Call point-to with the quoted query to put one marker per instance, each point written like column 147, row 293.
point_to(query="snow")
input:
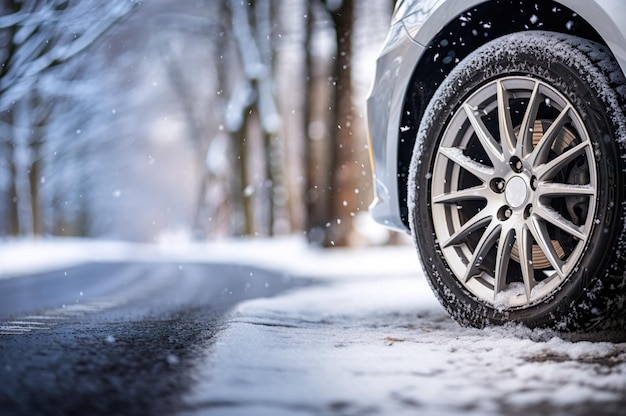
column 290, row 254
column 384, row 346
column 370, row 339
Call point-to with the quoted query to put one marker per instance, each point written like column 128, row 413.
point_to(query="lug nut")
column 497, row 185
column 528, row 212
column 516, row 164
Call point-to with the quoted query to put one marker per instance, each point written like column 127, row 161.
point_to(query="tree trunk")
column 263, row 13
column 6, row 118
column 318, row 170
column 12, row 201
column 245, row 189
column 269, row 184
column 41, row 114
column 343, row 201
column 34, row 182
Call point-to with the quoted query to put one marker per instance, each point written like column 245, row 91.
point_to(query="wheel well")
column 462, row 35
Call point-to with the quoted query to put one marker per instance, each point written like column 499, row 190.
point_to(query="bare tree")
column 260, row 93
column 38, row 37
column 191, row 48
column 253, row 103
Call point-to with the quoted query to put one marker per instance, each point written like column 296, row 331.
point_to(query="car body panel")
column 385, row 102
column 414, row 25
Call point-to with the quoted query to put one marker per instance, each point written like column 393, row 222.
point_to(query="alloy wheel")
column 513, row 191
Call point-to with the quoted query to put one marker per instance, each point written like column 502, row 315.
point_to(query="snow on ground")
column 376, row 341
column 385, row 346
column 292, row 254
column 370, row 339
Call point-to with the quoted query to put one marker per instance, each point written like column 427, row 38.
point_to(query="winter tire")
column 517, row 182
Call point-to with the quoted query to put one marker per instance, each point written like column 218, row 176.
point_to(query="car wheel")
column 516, row 185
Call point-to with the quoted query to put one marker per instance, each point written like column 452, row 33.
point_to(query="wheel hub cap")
column 516, row 192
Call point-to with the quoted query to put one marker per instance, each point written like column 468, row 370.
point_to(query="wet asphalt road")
column 115, row 339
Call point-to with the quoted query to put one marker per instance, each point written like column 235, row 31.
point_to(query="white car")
column 498, row 139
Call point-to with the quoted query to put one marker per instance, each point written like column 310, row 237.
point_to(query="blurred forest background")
column 203, row 119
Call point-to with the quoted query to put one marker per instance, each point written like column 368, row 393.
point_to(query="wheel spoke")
column 525, row 246
column 552, row 168
column 488, row 239
column 483, row 172
column 564, row 189
column 504, row 119
column 559, row 221
column 503, row 258
column 525, row 137
column 474, row 193
column 491, row 146
column 542, row 149
column 540, row 234
column 477, row 221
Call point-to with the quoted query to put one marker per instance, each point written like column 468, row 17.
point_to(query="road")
column 157, row 338
column 107, row 339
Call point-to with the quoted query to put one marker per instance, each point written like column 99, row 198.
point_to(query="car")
column 497, row 136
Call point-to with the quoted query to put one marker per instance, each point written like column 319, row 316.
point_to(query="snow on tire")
column 516, row 186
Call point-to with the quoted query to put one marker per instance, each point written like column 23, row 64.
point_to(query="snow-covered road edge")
column 287, row 254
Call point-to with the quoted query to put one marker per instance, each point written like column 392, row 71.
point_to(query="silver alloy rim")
column 513, row 193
